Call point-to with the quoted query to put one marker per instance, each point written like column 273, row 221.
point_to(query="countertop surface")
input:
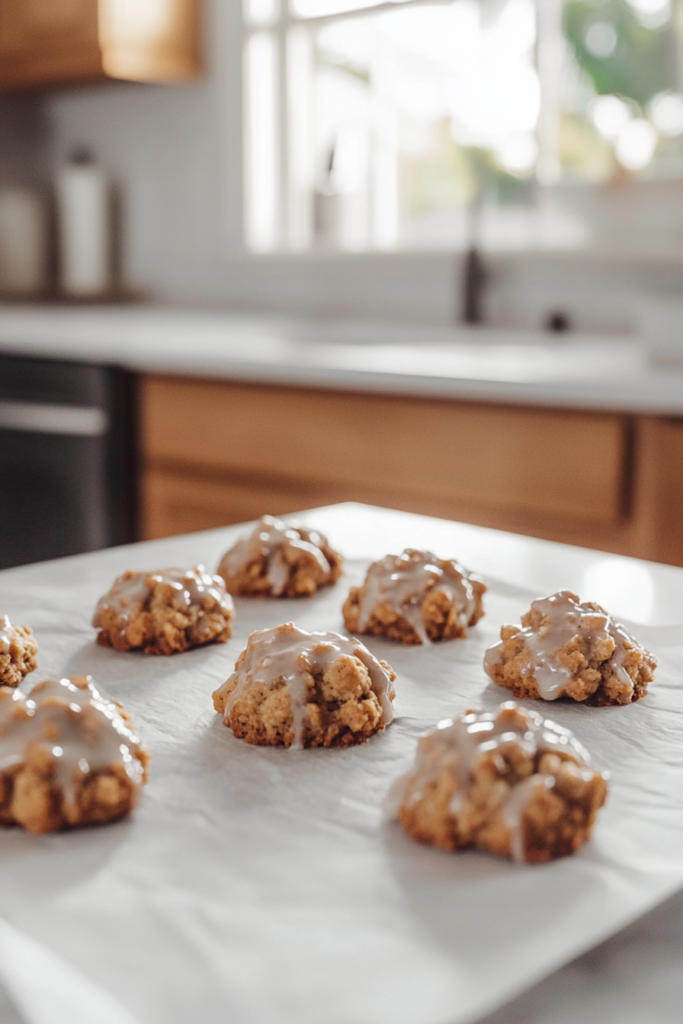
column 478, row 364
column 89, row 919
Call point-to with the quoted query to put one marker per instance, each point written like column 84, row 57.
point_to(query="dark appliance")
column 67, row 449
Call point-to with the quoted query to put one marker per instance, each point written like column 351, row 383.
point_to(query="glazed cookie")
column 68, row 756
column 509, row 782
column 164, row 612
column 296, row 689
column 280, row 559
column 415, row 598
column 567, row 649
column 18, row 650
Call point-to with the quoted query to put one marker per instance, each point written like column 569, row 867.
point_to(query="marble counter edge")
column 276, row 359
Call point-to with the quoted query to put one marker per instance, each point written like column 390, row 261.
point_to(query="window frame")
column 290, row 241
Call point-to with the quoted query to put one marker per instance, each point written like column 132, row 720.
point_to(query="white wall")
column 174, row 152
column 170, row 151
column 598, row 292
column 23, row 141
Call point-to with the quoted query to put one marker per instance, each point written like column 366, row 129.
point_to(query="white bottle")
column 84, row 227
column 23, row 241
column 326, row 205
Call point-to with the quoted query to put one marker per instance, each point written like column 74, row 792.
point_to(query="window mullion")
column 549, row 66
column 299, row 114
column 362, row 12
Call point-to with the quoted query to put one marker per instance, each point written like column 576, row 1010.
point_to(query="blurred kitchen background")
column 258, row 256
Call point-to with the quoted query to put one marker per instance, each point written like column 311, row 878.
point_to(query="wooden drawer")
column 176, row 502
column 545, row 462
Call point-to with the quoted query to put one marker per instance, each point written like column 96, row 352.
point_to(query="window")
column 375, row 126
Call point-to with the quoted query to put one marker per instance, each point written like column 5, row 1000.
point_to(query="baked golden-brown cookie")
column 164, row 612
column 68, row 756
column 18, row 650
column 509, row 782
column 567, row 649
column 297, row 689
column 280, row 559
column 415, row 598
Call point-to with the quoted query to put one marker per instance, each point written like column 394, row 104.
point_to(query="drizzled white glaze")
column 513, row 811
column 190, row 587
column 267, row 541
column 402, row 581
column 290, row 654
column 80, row 729
column 5, row 635
column 564, row 617
column 455, row 745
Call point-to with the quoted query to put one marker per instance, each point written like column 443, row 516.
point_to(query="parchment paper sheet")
column 264, row 885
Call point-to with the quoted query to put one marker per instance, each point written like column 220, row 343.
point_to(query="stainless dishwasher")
column 67, row 458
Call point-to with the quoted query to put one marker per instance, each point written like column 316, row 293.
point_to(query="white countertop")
column 59, row 909
column 479, row 364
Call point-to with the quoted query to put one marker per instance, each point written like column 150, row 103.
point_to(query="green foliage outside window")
column 643, row 61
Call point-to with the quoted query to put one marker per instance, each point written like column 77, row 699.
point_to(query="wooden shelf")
column 45, row 43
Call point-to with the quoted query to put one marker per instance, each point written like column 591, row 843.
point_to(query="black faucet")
column 475, row 275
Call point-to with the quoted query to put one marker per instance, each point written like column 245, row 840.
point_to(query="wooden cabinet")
column 53, row 42
column 217, row 452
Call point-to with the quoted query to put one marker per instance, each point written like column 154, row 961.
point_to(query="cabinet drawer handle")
column 36, row 418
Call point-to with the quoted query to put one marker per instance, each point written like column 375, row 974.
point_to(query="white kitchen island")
column 259, row 885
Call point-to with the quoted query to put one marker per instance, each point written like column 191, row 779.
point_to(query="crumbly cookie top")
column 131, row 590
column 290, row 654
column 403, row 580
column 267, row 540
column 18, row 650
column 550, row 624
column 74, row 724
column 455, row 746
